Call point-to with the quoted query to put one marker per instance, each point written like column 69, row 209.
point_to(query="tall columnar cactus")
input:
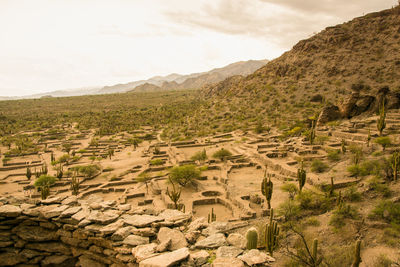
column 315, row 261
column 267, row 188
column 357, row 254
column 28, row 173
column 75, row 185
column 252, row 238
column 369, row 137
column 343, row 146
column 381, row 123
column 174, row 195
column 212, row 217
column 331, row 191
column 339, row 200
column 311, row 135
column 271, row 234
column 301, row 177
column 395, row 164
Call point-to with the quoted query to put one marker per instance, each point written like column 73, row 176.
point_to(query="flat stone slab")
column 135, row 240
column 141, row 220
column 103, row 217
column 255, row 256
column 228, row 252
column 178, row 239
column 166, row 259
column 10, row 211
column 213, row 241
column 230, row 262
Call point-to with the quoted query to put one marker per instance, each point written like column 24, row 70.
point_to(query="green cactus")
column 395, row 164
column 75, row 185
column 315, row 261
column 28, row 173
column 369, row 137
column 267, row 188
column 301, row 177
column 271, row 234
column 212, row 217
column 343, row 146
column 339, row 200
column 357, row 257
column 381, row 123
column 331, row 191
column 174, row 195
column 311, row 135
column 252, row 238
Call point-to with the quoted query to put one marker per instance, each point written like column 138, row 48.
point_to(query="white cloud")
column 49, row 45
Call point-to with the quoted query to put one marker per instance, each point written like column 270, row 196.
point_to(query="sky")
column 48, row 45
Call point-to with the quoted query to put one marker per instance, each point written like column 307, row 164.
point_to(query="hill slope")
column 362, row 54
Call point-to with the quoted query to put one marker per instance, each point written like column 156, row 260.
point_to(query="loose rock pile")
column 67, row 232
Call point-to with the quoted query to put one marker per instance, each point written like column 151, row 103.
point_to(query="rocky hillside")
column 190, row 81
column 356, row 58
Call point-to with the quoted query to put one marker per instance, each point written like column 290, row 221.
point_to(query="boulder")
column 237, row 240
column 212, row 241
column 178, row 239
column 10, row 211
column 164, row 246
column 166, row 259
column 198, row 224
column 200, row 257
column 329, row 113
column 135, row 240
column 255, row 256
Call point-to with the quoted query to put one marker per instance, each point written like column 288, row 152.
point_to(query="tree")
column 67, row 147
column 222, row 154
column 110, row 152
column 89, row 170
column 291, row 189
column 384, row 141
column 200, row 156
column 43, row 183
column 184, row 175
column 174, row 195
column 144, row 178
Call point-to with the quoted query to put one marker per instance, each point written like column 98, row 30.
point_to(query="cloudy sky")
column 61, row 44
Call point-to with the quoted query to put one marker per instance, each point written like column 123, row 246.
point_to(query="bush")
column 156, row 162
column 184, row 175
column 384, row 141
column 375, row 184
column 318, row 166
column 352, row 195
column 290, row 188
column 340, row 214
column 200, row 156
column 383, row 261
column 334, row 155
column 222, row 154
column 89, row 170
column 388, row 211
column 309, row 200
column 289, row 210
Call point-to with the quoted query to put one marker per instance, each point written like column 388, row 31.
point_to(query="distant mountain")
column 169, row 82
column 190, row 81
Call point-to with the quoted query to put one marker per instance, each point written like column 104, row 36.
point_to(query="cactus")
column 28, row 173
column 343, row 146
column 53, row 159
column 381, row 123
column 301, row 177
column 252, row 238
column 267, row 188
column 369, row 137
column 212, row 217
column 315, row 261
column 339, row 200
column 271, row 234
column 332, row 188
column 75, row 185
column 174, row 195
column 395, row 164
column 311, row 135
column 357, row 257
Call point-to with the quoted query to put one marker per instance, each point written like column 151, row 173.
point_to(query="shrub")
column 184, row 175
column 222, row 154
column 43, row 183
column 388, row 211
column 334, row 155
column 289, row 210
column 383, row 261
column 352, row 195
column 156, row 162
column 89, row 170
column 318, row 166
column 200, row 156
column 384, row 141
column 313, row 221
column 341, row 213
column 290, row 188
column 375, row 184
column 309, row 200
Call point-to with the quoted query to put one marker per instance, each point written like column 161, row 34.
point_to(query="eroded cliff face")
column 65, row 232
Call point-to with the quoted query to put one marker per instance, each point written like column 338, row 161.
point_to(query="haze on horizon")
column 48, row 45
